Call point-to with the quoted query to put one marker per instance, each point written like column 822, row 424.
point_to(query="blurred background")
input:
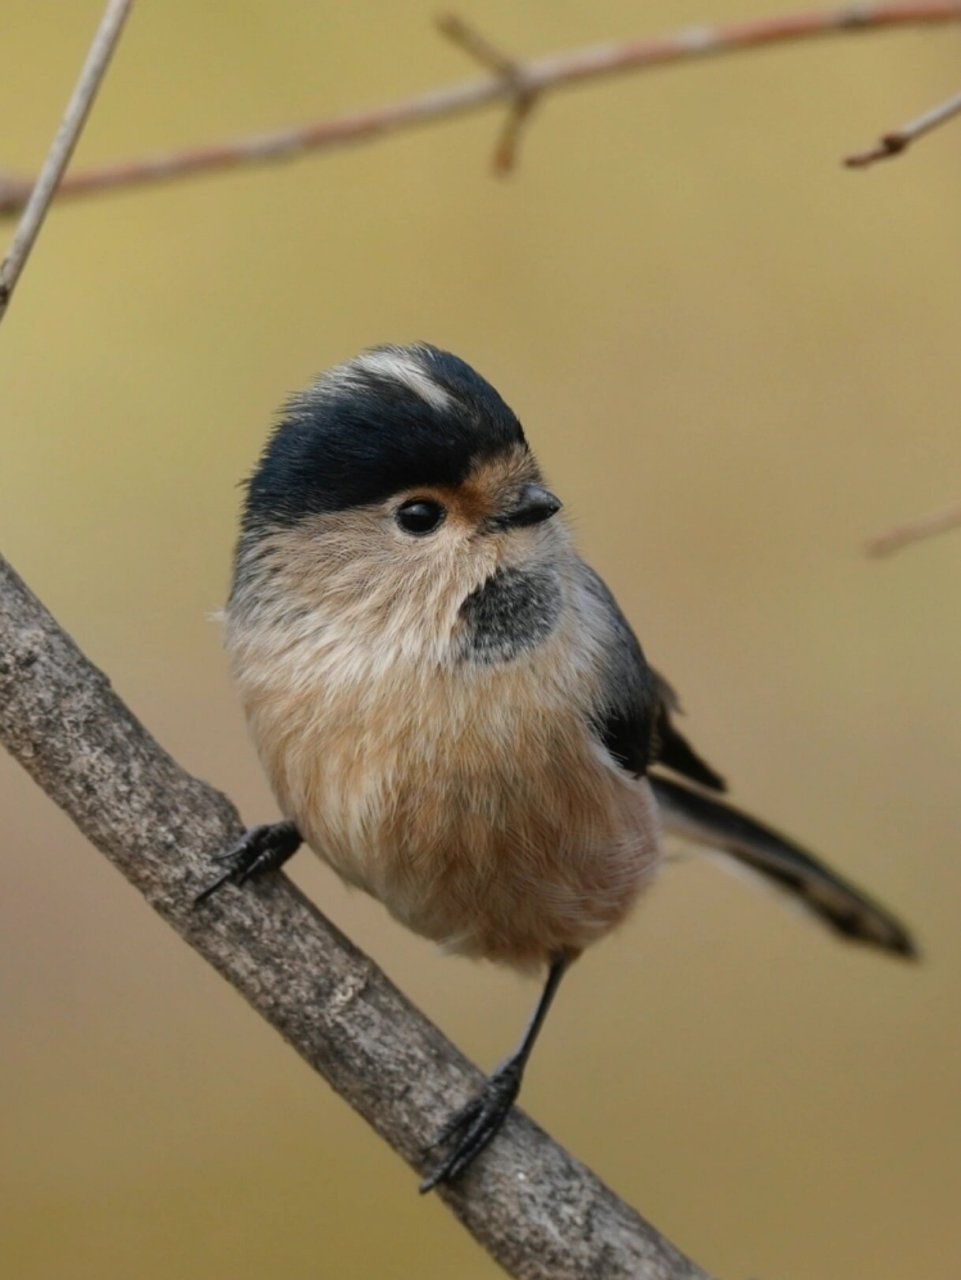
column 736, row 360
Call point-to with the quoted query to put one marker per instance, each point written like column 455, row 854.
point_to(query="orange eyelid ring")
column 533, row 505
column 419, row 516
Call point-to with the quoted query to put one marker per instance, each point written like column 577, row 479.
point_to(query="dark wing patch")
column 673, row 750
column 677, row 754
column 635, row 720
column 627, row 717
column 625, row 734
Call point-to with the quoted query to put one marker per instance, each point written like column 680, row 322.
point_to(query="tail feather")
column 710, row 821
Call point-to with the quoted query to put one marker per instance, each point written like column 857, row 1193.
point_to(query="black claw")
column 212, row 888
column 472, row 1128
column 264, row 848
column 474, row 1125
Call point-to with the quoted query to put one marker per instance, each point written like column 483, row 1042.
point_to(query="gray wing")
column 634, row 722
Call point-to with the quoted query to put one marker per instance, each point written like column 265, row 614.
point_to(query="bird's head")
column 390, row 493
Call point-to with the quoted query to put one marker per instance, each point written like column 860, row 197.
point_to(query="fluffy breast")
column 470, row 796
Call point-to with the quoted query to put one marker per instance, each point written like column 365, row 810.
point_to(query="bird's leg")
column 259, row 849
column 472, row 1127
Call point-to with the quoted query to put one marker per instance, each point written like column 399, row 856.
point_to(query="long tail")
column 710, row 821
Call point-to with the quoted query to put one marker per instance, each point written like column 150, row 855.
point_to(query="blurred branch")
column 513, row 82
column 39, row 195
column 903, row 535
column 892, row 144
column 538, row 1212
column 479, row 47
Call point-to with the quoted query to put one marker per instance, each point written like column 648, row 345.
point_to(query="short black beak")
column 534, row 505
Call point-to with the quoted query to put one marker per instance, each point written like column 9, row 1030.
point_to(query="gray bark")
column 536, row 1210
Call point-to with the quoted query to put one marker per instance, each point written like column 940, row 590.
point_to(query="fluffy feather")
column 470, row 796
column 462, row 723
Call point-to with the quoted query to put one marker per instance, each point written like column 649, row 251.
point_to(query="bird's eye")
column 420, row 516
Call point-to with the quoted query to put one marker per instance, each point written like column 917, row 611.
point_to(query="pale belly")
column 508, row 838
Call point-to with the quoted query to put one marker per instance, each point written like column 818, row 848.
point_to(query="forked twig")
column 538, row 76
column 511, row 71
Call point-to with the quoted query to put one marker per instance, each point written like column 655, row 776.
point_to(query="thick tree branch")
column 538, row 1212
column 519, row 83
column 40, row 194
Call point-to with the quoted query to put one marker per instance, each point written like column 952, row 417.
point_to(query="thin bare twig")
column 524, row 98
column 477, row 45
column 538, row 76
column 892, row 144
column 61, row 149
column 903, row 535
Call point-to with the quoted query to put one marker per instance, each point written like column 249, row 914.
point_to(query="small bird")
column 451, row 708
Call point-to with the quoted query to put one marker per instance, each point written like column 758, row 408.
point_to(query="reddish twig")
column 903, row 535
column 511, row 72
column 37, row 196
column 892, row 144
column 537, row 77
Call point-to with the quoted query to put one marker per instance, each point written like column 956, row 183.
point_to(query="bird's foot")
column 472, row 1127
column 260, row 849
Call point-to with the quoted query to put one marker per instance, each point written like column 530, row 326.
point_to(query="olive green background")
column 735, row 360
